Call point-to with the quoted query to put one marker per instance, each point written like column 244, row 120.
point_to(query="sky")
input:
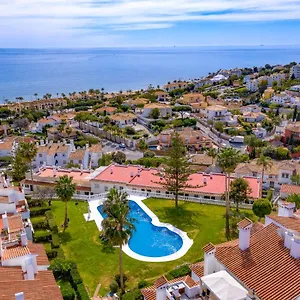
column 148, row 23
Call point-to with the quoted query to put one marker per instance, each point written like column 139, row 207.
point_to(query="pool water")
column 147, row 239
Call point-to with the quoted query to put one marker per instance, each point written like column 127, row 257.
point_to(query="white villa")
column 164, row 109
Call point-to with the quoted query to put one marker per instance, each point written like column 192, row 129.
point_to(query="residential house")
column 137, row 178
column 292, row 131
column 288, row 190
column 192, row 98
column 295, row 71
column 95, row 153
column 161, row 95
column 80, row 157
column 68, row 133
column 164, row 109
column 250, row 108
column 215, row 113
column 193, row 139
column 175, row 85
column 106, row 110
column 53, row 154
column 281, row 99
column 268, row 93
column 40, row 124
column 124, row 119
column 218, row 78
column 253, row 117
column 196, row 107
column 46, row 177
column 7, row 148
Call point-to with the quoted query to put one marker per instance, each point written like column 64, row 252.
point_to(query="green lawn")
column 80, row 242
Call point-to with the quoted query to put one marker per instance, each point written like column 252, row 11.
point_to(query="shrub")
column 55, row 241
column 134, row 294
column 60, row 253
column 61, row 268
column 51, row 221
column 149, row 154
column 67, row 291
column 114, row 286
column 117, row 279
column 75, row 276
column 142, row 284
column 41, row 236
column 178, row 272
column 39, row 222
column 39, row 211
column 82, row 294
column 51, row 253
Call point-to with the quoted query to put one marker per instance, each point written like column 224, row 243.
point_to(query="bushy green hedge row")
column 51, row 253
column 39, row 222
column 51, row 221
column 38, row 211
column 41, row 236
column 82, row 293
column 67, row 291
column 55, row 241
column 178, row 272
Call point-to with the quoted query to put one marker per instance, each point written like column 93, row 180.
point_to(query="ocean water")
column 24, row 72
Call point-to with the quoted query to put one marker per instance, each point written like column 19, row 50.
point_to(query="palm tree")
column 228, row 159
column 117, row 227
column 266, row 163
column 65, row 188
column 212, row 152
column 28, row 152
column 35, row 95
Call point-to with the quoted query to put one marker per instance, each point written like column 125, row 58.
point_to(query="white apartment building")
column 295, row 70
column 215, row 113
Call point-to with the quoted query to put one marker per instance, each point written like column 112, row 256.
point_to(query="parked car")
column 122, row 146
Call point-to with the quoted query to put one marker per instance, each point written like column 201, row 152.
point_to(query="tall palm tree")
column 28, row 152
column 228, row 159
column 212, row 152
column 117, row 227
column 266, row 163
column 65, row 189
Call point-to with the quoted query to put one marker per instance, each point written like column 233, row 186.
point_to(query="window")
column 80, row 161
column 40, row 155
column 105, row 188
column 64, row 162
column 143, row 190
column 86, row 193
column 64, row 155
column 149, row 191
column 97, row 185
column 285, row 175
column 157, row 192
column 121, row 188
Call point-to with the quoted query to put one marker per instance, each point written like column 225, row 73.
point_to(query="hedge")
column 51, row 221
column 67, row 291
column 39, row 222
column 41, row 236
column 51, row 253
column 55, row 241
column 38, row 211
column 75, row 276
column 60, row 253
column 178, row 272
column 81, row 292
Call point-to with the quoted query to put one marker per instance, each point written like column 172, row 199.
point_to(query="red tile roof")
column 244, row 223
column 14, row 252
column 15, row 223
column 292, row 223
column 265, row 263
column 39, row 249
column 161, row 281
column 198, row 268
column 208, row 248
column 290, row 189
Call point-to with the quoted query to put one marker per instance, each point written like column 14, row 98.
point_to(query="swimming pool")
column 149, row 240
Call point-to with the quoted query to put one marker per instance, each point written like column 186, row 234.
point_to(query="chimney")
column 131, row 174
column 244, row 233
column 5, row 220
column 87, row 146
column 139, row 172
column 161, row 285
column 251, row 295
column 111, row 171
column 295, row 246
column 286, row 209
column 19, row 296
column 29, row 269
column 204, row 180
column 209, row 259
column 23, row 239
column 288, row 236
column 46, row 141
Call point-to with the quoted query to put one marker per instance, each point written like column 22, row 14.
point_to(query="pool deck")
column 94, row 215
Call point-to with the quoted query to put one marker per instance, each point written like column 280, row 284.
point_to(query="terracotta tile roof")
column 294, row 127
column 6, row 145
column 43, row 287
column 53, row 149
column 123, row 117
column 157, row 105
column 187, row 279
column 10, row 274
column 161, row 281
column 265, row 263
column 244, row 223
column 15, row 223
column 13, row 252
column 109, row 109
column 201, row 159
column 290, row 189
column 78, row 154
column 95, row 148
column 292, row 223
column 41, row 259
column 253, row 167
column 198, row 268
column 209, row 247
column 216, row 108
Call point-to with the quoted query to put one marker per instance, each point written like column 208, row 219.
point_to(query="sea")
column 24, row 72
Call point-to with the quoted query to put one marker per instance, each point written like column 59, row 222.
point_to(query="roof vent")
column 131, row 174
column 111, row 171
column 204, row 181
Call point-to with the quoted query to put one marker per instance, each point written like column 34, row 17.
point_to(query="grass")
column 81, row 243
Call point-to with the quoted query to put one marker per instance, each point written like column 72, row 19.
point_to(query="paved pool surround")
column 186, row 241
